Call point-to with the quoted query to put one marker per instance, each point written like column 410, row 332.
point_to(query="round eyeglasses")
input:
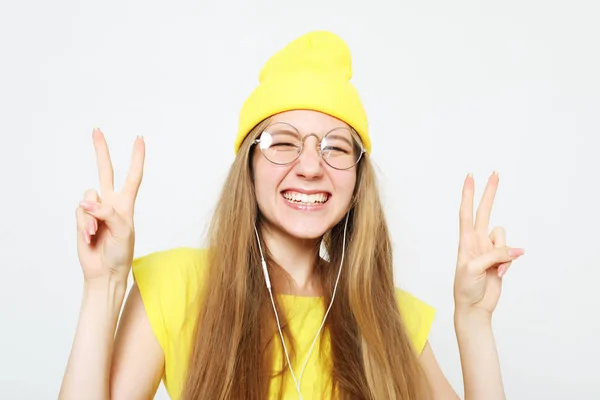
column 282, row 144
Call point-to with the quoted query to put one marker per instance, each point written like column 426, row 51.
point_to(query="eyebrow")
column 287, row 131
column 345, row 139
column 296, row 132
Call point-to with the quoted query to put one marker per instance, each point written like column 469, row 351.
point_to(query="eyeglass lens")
column 281, row 144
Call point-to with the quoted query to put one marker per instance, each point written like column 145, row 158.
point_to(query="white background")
column 451, row 87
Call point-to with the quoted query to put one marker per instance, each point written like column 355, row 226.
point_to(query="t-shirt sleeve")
column 168, row 282
column 417, row 316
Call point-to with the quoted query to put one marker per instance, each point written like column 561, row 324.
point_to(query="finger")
column 107, row 214
column 466, row 206
column 91, row 195
column 91, row 221
column 498, row 236
column 482, row 220
column 136, row 169
column 503, row 269
column 105, row 168
column 82, row 227
column 497, row 256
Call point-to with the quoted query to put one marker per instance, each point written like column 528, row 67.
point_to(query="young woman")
column 293, row 295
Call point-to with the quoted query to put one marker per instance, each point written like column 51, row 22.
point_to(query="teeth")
column 305, row 198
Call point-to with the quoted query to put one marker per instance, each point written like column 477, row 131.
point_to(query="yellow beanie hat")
column 312, row 72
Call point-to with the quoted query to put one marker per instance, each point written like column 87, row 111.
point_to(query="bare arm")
column 105, row 243
column 479, row 359
column 439, row 385
column 87, row 372
column 128, row 367
column 482, row 262
column 138, row 360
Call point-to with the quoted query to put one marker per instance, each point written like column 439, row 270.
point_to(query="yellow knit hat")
column 311, row 73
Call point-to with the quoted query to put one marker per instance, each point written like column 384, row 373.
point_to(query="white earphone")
column 268, row 282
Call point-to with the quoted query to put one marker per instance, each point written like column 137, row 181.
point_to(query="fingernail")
column 502, row 271
column 514, row 252
column 86, row 236
column 91, row 229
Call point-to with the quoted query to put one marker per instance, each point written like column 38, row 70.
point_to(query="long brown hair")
column 231, row 358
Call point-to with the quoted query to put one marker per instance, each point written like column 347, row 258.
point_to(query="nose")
column 310, row 162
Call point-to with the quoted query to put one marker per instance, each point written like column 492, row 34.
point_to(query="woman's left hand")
column 483, row 256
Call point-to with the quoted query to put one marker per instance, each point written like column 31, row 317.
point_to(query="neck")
column 296, row 259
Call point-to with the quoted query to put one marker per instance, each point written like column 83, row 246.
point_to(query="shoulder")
column 169, row 282
column 417, row 316
column 173, row 265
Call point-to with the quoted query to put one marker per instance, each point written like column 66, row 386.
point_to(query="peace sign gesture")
column 105, row 222
column 483, row 256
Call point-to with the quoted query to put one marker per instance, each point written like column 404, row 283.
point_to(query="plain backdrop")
column 451, row 87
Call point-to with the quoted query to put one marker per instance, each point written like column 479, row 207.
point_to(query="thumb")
column 107, row 214
column 492, row 258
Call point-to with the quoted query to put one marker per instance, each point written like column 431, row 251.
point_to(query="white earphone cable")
column 268, row 282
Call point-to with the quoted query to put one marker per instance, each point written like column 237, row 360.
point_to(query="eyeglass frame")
column 319, row 149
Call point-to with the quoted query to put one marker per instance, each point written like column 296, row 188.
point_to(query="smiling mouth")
column 304, row 198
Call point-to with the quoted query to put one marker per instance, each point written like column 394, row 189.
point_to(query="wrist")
column 108, row 291
column 105, row 283
column 471, row 321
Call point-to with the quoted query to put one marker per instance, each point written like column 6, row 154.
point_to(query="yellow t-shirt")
column 168, row 282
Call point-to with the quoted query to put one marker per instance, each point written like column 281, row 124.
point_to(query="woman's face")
column 307, row 197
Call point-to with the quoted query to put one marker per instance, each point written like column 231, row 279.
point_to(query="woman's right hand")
column 106, row 235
